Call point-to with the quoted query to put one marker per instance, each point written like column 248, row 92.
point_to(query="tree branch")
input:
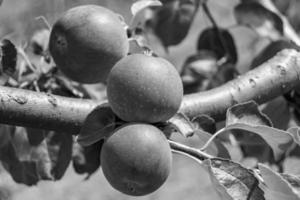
column 39, row 110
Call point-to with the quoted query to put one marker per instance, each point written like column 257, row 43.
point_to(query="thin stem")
column 187, row 155
column 189, row 150
column 214, row 23
column 211, row 139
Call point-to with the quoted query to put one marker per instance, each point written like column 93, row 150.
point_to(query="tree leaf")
column 180, row 123
column 86, row 159
column 294, row 131
column 8, row 57
column 254, row 15
column 216, row 148
column 59, row 146
column 247, row 113
column 35, row 136
column 142, row 4
column 271, row 50
column 232, row 180
column 294, row 182
column 280, row 141
column 98, row 125
column 205, row 123
column 220, row 42
column 276, row 187
column 21, row 171
column 172, row 21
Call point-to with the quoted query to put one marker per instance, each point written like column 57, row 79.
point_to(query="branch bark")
column 39, row 110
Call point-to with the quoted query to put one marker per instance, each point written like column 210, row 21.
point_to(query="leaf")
column 246, row 113
column 5, row 134
column 294, row 131
column 232, row 180
column 98, row 125
column 216, row 148
column 172, row 21
column 87, row 159
column 21, row 172
column 276, row 187
column 8, row 60
column 271, row 50
column 59, row 146
column 180, row 123
column 142, row 4
column 280, row 141
column 220, row 42
column 294, row 182
column 254, row 15
column 205, row 123
column 35, row 136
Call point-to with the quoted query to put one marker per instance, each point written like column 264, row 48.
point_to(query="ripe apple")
column 142, row 88
column 86, row 41
column 136, row 159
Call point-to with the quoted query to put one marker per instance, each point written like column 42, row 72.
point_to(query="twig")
column 189, row 150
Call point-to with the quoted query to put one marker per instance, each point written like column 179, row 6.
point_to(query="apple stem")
column 187, row 150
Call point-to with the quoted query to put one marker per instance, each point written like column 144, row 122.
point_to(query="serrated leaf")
column 294, row 131
column 254, row 15
column 247, row 113
column 142, row 4
column 275, row 186
column 216, row 148
column 280, row 141
column 98, row 125
column 232, row 180
column 180, row 123
column 87, row 159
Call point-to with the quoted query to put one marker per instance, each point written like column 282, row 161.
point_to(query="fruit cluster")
column 89, row 44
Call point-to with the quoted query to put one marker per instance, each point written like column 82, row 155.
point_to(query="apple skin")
column 143, row 88
column 136, row 159
column 86, row 41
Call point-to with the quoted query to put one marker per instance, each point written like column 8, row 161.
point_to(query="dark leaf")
column 60, row 152
column 21, row 171
column 278, row 110
column 254, row 15
column 98, row 125
column 205, row 123
column 220, row 42
column 35, row 136
column 271, row 50
column 232, row 180
column 173, row 20
column 276, row 188
column 8, row 57
column 6, row 133
column 87, row 159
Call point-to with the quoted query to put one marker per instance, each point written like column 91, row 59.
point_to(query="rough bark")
column 39, row 110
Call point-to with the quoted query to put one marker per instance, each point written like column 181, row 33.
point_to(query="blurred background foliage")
column 187, row 180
